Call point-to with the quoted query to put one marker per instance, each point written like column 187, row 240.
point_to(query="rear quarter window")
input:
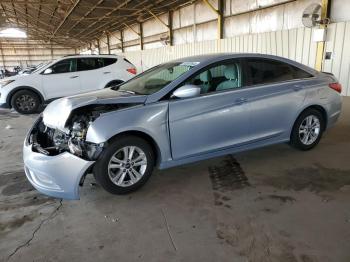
column 109, row 61
column 265, row 71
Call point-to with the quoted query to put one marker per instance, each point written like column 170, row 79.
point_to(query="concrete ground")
column 271, row 204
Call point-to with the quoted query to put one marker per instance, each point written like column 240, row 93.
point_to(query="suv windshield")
column 40, row 66
column 156, row 78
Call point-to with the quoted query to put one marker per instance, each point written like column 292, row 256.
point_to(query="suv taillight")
column 336, row 87
column 132, row 70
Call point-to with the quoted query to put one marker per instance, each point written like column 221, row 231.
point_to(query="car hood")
column 12, row 77
column 57, row 112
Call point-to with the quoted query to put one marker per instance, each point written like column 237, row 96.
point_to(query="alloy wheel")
column 25, row 103
column 309, row 130
column 127, row 166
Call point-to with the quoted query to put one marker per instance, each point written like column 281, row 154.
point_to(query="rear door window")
column 89, row 63
column 92, row 63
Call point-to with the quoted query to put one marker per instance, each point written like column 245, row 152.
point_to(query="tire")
column 107, row 168
column 307, row 130
column 25, row 102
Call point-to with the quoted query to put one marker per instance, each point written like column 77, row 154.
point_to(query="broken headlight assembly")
column 51, row 141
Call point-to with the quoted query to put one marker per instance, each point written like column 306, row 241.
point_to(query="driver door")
column 217, row 119
column 63, row 80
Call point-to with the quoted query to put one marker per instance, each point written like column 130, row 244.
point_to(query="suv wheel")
column 125, row 165
column 308, row 129
column 25, row 102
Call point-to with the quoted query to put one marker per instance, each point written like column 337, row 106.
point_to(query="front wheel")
column 308, row 129
column 25, row 102
column 125, row 165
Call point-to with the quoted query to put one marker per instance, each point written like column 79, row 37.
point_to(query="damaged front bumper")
column 58, row 176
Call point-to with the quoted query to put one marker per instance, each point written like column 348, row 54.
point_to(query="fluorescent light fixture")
column 13, row 33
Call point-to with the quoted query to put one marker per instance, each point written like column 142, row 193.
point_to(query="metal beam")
column 219, row 13
column 158, row 19
column 65, row 18
column 132, row 29
column 85, row 15
column 107, row 14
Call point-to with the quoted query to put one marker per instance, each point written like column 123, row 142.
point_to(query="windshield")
column 40, row 66
column 156, row 78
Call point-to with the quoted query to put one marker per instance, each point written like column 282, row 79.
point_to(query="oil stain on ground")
column 282, row 199
column 226, row 177
column 14, row 183
column 316, row 179
column 16, row 223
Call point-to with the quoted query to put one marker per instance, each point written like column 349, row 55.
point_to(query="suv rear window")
column 109, row 61
column 91, row 63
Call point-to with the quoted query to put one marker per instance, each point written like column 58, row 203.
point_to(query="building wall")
column 25, row 53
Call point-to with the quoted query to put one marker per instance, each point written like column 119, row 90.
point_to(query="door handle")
column 74, row 76
column 240, row 101
column 106, row 73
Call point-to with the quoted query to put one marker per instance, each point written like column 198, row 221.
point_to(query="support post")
column 108, row 44
column 220, row 15
column 98, row 46
column 170, row 27
column 220, row 19
column 51, row 50
column 141, row 35
column 122, row 40
column 321, row 45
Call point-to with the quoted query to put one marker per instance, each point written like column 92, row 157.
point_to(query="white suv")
column 66, row 76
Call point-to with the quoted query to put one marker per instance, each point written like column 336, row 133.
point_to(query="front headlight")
column 5, row 82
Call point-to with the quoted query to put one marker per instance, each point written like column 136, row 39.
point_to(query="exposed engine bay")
column 50, row 141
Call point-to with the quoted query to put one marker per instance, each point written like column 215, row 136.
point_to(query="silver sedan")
column 179, row 112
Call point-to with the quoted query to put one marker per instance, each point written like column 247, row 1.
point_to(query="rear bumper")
column 334, row 111
column 58, row 176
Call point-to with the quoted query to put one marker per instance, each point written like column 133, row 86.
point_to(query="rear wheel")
column 25, row 102
column 308, row 129
column 125, row 165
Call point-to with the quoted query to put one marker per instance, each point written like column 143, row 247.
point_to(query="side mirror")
column 187, row 91
column 48, row 71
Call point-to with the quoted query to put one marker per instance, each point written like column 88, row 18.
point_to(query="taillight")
column 132, row 70
column 336, row 87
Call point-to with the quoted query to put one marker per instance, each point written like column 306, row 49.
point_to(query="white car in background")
column 69, row 75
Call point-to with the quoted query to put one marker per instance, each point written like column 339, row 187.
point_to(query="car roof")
column 209, row 58
column 102, row 55
column 218, row 56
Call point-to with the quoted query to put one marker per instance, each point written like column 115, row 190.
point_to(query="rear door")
column 217, row 119
column 276, row 95
column 63, row 80
column 95, row 72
